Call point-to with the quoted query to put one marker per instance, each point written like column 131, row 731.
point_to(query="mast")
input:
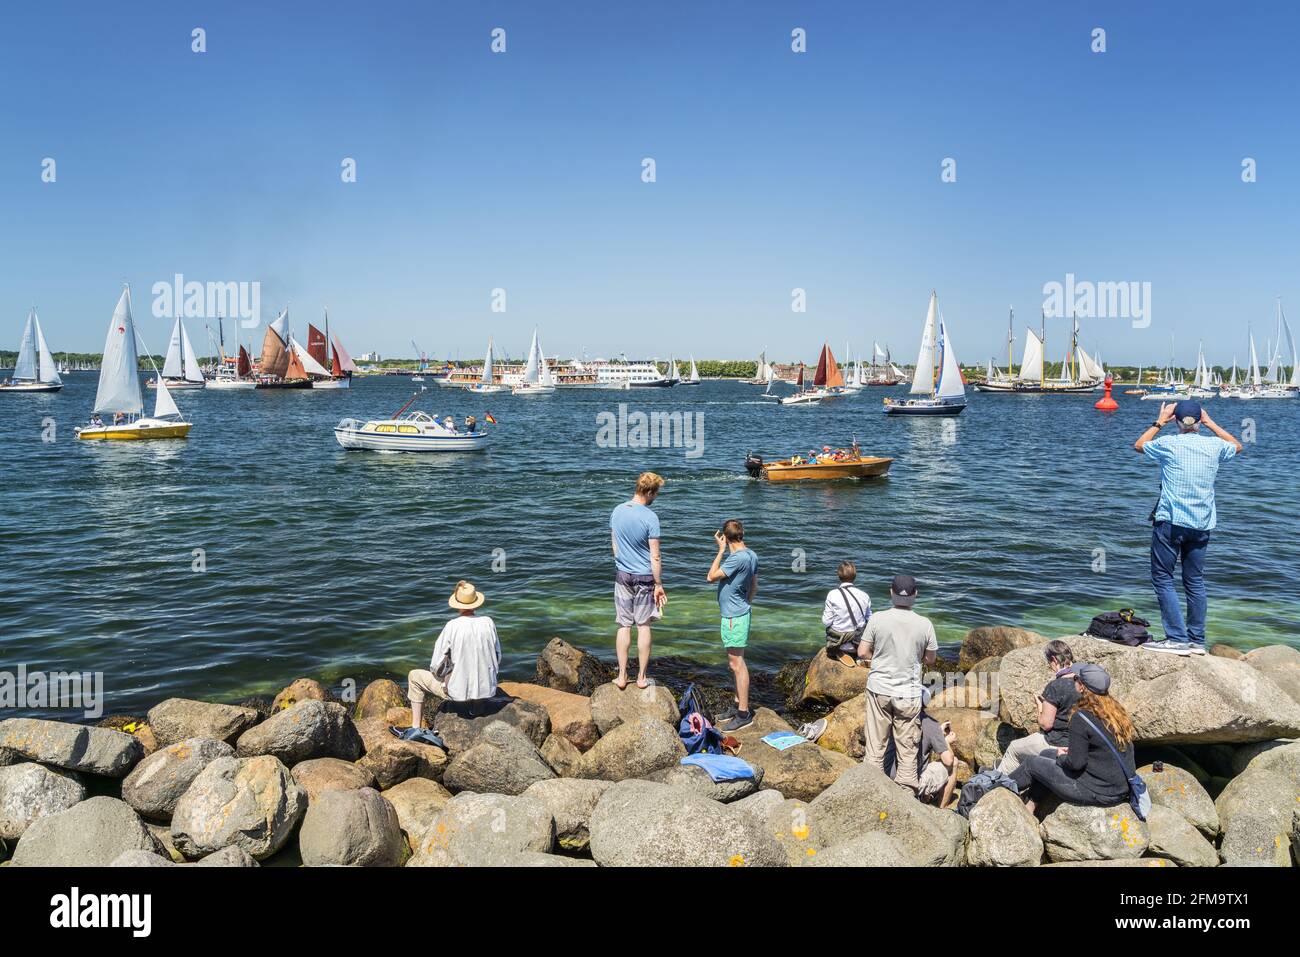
column 1042, row 335
column 1011, row 340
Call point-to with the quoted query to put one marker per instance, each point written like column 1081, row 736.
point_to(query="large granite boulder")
column 417, row 801
column 378, row 698
column 308, row 729
column 30, row 791
column 611, row 707
column 992, row 641
column 73, row 747
column 561, row 755
column 485, row 830
column 829, row 682
column 1174, row 838
column 351, row 829
column 158, row 781
column 226, row 857
column 571, row 804
column 863, row 800
column 645, row 824
column 566, row 668
column 303, row 689
column 786, row 819
column 90, row 834
column 968, row 726
column 991, row 743
column 846, row 728
column 1257, row 807
column 570, row 713
column 694, row 778
column 251, row 803
column 504, row 761
column 874, row 849
column 459, row 724
column 1179, row 791
column 633, row 749
column 1073, row 832
column 1002, row 832
column 179, row 719
column 1281, row 664
column 1199, row 700
column 318, row 775
column 392, row 760
column 801, row 772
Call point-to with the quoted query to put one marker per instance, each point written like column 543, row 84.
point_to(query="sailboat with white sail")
column 1203, row 387
column 34, row 371
column 487, row 384
column 947, row 396
column 886, row 373
column 828, row 382
column 763, row 374
column 119, row 394
column 694, row 377
column 181, row 366
column 536, row 379
column 279, row 366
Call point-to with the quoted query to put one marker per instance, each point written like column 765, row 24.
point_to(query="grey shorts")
column 634, row 600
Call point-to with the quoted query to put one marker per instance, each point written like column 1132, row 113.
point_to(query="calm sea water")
column 338, row 564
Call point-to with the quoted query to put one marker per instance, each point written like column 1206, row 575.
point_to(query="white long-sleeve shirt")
column 836, row 613
column 475, row 656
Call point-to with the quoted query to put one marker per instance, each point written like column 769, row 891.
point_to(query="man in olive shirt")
column 896, row 644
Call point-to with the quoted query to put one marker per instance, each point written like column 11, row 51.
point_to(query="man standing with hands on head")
column 735, row 569
column 1184, row 516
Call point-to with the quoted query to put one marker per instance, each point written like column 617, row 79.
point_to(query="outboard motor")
column 754, row 465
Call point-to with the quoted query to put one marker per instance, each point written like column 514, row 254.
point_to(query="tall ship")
column 1080, row 372
column 884, row 373
column 280, row 366
column 34, row 371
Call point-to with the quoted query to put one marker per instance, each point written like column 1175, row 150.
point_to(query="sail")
column 306, row 360
column 192, row 371
column 275, row 353
column 173, row 368
column 164, row 406
column 1089, row 368
column 1254, row 363
column 544, row 376
column 950, row 384
column 799, row 383
column 1233, row 380
column 1031, row 363
column 674, row 374
column 295, row 371
column 530, row 369
column 695, row 372
column 119, row 375
column 487, row 365
column 896, row 372
column 1294, row 381
column 342, row 360
column 923, row 377
column 316, row 347
column 244, row 365
column 49, row 372
column 25, row 367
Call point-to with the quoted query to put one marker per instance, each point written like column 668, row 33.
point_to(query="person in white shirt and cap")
column 845, row 616
column 466, row 657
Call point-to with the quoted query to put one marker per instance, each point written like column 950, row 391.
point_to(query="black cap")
column 904, row 587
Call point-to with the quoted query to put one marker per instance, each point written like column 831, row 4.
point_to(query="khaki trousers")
column 1022, row 748
column 899, row 718
column 420, row 683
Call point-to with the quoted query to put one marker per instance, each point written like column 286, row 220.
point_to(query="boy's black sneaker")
column 741, row 719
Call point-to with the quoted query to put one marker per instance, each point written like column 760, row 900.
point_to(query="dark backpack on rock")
column 1122, row 627
column 980, row 785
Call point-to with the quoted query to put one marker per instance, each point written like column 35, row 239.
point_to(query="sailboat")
column 828, row 382
column 694, row 377
column 342, row 368
column 887, row 373
column 330, row 374
column 1138, row 390
column 233, row 372
column 674, row 374
column 119, row 392
column 34, row 371
column 763, row 371
column 536, row 379
column 851, row 374
column 488, row 383
column 1203, row 386
column 280, row 367
column 948, row 396
column 181, row 367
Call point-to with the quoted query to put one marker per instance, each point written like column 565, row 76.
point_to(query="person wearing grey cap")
column 896, row 644
column 1086, row 770
column 1183, row 517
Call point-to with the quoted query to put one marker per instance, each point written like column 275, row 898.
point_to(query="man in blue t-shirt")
column 735, row 569
column 639, row 595
column 1184, row 517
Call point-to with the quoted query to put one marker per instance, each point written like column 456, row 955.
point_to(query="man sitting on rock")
column 845, row 616
column 1053, row 708
column 466, row 657
column 896, row 644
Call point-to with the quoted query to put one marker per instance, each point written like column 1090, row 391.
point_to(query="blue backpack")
column 707, row 740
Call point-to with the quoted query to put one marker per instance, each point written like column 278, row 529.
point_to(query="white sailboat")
column 34, row 370
column 948, row 395
column 1203, row 386
column 339, row 374
column 694, row 377
column 536, row 379
column 181, row 366
column 674, row 374
column 119, row 393
column 487, row 384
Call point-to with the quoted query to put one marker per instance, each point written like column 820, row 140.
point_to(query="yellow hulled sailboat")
column 119, row 395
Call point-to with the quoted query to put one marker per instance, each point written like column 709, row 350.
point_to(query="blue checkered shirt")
column 1189, row 463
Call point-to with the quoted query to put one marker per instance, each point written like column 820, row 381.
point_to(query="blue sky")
column 775, row 170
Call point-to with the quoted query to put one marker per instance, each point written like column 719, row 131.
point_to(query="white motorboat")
column 411, row 432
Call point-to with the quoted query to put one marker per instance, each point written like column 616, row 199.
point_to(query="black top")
column 1091, row 762
column 1062, row 693
column 933, row 741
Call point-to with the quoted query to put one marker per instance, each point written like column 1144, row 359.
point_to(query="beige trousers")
column 899, row 718
column 1022, row 748
column 420, row 683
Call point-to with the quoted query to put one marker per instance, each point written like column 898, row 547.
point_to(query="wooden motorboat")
column 824, row 468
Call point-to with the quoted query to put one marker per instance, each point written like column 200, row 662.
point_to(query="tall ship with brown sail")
column 279, row 366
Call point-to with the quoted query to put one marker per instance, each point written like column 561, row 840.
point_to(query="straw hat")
column 466, row 596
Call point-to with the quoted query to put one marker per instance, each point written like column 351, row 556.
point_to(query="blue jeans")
column 1170, row 544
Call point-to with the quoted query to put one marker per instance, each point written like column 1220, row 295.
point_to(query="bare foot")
column 620, row 685
column 644, row 682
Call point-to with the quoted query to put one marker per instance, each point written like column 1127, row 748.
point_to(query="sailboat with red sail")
column 341, row 365
column 280, row 366
column 828, row 382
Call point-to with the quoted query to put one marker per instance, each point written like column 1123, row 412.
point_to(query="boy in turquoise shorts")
column 735, row 569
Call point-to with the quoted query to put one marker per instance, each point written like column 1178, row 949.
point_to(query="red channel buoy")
column 1106, row 403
